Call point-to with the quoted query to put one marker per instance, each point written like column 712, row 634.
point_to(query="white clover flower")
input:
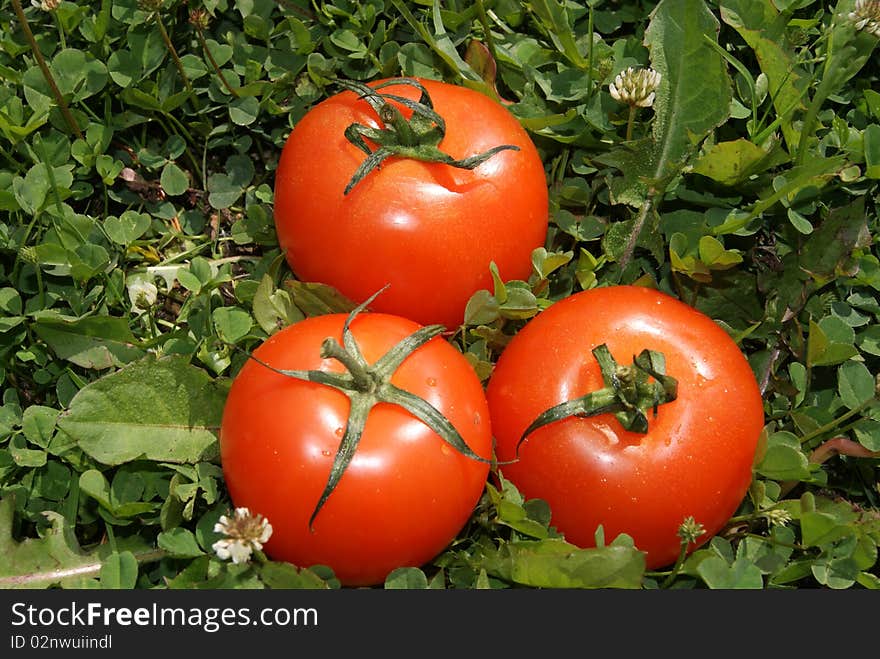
column 244, row 533
column 635, row 87
column 46, row 5
column 866, row 16
column 142, row 294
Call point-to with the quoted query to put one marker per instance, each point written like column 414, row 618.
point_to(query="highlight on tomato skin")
column 429, row 229
column 694, row 460
column 406, row 492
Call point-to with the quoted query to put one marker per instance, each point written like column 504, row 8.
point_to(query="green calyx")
column 366, row 385
column 629, row 392
column 418, row 137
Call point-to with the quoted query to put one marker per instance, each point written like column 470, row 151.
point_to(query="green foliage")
column 139, row 263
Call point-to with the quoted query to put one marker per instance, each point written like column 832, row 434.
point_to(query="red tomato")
column 406, row 493
column 696, row 457
column 430, row 230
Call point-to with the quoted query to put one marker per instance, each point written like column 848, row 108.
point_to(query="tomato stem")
column 629, row 392
column 417, row 138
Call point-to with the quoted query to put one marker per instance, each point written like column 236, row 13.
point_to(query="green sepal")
column 417, row 138
column 629, row 392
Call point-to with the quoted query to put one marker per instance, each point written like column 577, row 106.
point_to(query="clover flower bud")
column 866, row 16
column 777, row 516
column 690, row 530
column 245, row 533
column 635, row 87
column 199, row 18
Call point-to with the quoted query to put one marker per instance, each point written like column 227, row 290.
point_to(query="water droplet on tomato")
column 432, row 382
column 339, row 431
column 326, row 453
column 477, row 418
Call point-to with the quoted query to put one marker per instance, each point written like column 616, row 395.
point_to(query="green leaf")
column 315, row 298
column 274, row 308
column 232, row 323
column 244, row 111
column 784, row 459
column 820, row 529
column 126, row 228
column 555, row 563
column 53, row 559
column 763, row 28
column 119, row 571
column 147, row 410
column 733, row 162
column 482, row 308
column 871, row 138
column 406, row 578
column 173, row 180
column 179, row 543
column 867, row 432
column 38, row 424
column 287, row 576
column 742, row 574
column 855, row 384
column 95, row 342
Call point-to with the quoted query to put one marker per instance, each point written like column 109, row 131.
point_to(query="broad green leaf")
column 148, row 410
column 54, row 559
column 693, row 99
column 94, row 342
column 694, row 93
column 555, row 563
column 733, row 162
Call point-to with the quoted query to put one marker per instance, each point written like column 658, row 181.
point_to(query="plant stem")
column 682, row 554
column 201, row 36
column 630, row 121
column 639, row 225
column 173, row 52
column 44, row 68
column 831, row 425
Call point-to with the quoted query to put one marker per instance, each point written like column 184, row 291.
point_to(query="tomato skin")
column 696, row 458
column 429, row 230
column 406, row 493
